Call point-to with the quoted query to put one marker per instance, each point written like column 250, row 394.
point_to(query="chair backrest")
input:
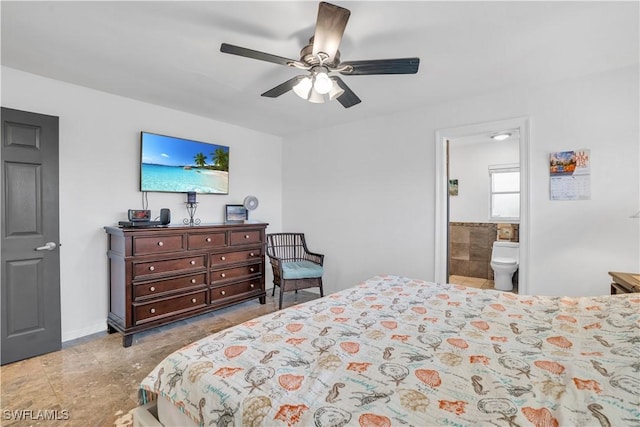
column 286, row 246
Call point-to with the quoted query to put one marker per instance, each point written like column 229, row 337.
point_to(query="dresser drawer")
column 233, row 273
column 158, row 287
column 175, row 265
column 217, row 260
column 158, row 244
column 235, row 289
column 169, row 306
column 207, row 240
column 245, row 237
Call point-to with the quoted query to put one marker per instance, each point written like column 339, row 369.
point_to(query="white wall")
column 469, row 164
column 364, row 193
column 99, row 178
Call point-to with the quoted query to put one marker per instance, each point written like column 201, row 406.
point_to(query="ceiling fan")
column 321, row 58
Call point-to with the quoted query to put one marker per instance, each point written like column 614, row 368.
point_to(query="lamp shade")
column 336, row 90
column 318, row 88
column 315, row 97
column 303, row 88
column 322, row 83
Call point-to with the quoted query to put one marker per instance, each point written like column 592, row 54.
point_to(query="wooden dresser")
column 624, row 283
column 161, row 275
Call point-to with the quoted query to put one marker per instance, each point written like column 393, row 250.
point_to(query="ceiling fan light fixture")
column 316, row 98
column 322, row 83
column 336, row 90
column 303, row 88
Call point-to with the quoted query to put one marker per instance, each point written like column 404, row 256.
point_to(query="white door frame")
column 442, row 193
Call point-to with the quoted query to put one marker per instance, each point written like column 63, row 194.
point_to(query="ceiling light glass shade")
column 336, row 90
column 322, row 83
column 501, row 136
column 303, row 88
column 316, row 98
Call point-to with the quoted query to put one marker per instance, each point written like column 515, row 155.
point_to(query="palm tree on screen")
column 200, row 160
column 221, row 159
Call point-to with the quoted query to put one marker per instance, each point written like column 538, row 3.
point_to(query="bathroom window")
column 504, row 191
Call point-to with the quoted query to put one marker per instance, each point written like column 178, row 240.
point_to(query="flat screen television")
column 170, row 164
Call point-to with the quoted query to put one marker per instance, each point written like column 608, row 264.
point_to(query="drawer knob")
column 208, row 239
column 193, row 300
column 252, row 269
column 252, row 254
column 252, row 285
column 223, row 275
column 152, row 268
column 222, row 258
column 152, row 289
column 153, row 310
column 160, row 244
column 223, row 293
column 193, row 280
column 193, row 262
column 246, row 236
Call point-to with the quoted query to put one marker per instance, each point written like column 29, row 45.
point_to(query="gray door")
column 30, row 300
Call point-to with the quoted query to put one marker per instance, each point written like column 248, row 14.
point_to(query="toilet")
column 505, row 258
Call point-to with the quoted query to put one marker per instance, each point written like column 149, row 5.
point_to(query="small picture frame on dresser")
column 235, row 214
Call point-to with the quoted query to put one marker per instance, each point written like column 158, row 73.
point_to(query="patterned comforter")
column 398, row 351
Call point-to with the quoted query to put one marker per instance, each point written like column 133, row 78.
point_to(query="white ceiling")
column 168, row 53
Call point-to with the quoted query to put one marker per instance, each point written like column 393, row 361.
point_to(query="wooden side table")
column 624, row 283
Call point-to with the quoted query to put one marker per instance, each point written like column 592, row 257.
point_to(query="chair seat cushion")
column 301, row 270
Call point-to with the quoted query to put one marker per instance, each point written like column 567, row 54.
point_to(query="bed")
column 399, row 351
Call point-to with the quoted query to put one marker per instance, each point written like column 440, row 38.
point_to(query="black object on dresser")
column 161, row 275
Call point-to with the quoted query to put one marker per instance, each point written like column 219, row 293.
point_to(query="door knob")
column 49, row 246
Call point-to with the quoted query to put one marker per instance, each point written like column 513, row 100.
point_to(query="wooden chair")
column 294, row 266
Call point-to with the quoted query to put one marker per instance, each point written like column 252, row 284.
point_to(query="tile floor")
column 93, row 381
column 472, row 282
column 475, row 282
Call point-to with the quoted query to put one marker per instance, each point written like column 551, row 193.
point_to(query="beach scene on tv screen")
column 178, row 165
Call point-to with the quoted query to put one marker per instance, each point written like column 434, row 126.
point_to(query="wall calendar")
column 570, row 175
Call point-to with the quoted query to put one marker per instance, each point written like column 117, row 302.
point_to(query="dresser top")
column 179, row 227
column 630, row 279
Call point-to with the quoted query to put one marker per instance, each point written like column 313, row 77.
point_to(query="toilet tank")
column 503, row 249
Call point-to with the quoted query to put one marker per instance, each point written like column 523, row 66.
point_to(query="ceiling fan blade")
column 330, row 25
column 282, row 88
column 348, row 98
column 382, row 66
column 254, row 54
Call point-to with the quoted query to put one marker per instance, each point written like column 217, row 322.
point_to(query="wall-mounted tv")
column 179, row 165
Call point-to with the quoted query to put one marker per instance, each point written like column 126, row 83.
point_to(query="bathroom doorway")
column 470, row 216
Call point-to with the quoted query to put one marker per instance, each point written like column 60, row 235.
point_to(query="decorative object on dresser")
column 250, row 203
column 161, row 275
column 294, row 265
column 191, row 205
column 234, row 214
column 624, row 283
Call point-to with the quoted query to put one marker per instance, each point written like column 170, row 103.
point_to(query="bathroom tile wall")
column 470, row 245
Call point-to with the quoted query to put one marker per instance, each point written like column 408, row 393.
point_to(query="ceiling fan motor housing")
column 307, row 56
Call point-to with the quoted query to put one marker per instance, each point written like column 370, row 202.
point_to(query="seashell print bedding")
column 399, row 351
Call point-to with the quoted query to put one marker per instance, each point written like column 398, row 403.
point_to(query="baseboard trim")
column 83, row 332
